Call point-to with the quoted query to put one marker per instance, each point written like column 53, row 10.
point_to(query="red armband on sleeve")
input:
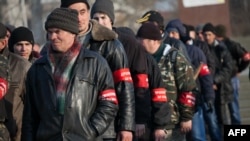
column 159, row 95
column 108, row 95
column 3, row 87
column 122, row 75
column 204, row 70
column 187, row 98
column 246, row 56
column 141, row 80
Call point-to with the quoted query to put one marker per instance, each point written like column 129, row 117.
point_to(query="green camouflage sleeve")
column 185, row 83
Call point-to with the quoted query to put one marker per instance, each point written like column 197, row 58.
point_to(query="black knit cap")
column 221, row 30
column 103, row 6
column 3, row 31
column 20, row 34
column 152, row 16
column 149, row 31
column 63, row 18
column 208, row 27
column 67, row 3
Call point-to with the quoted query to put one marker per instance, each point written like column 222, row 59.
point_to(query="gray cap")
column 63, row 18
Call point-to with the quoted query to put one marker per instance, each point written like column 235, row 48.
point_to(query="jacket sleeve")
column 161, row 114
column 124, row 88
column 30, row 119
column 138, row 68
column 185, row 84
column 210, row 61
column 205, row 79
column 107, row 107
column 226, row 67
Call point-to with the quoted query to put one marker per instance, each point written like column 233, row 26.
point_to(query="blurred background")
column 232, row 13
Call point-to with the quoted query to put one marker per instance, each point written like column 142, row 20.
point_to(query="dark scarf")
column 62, row 64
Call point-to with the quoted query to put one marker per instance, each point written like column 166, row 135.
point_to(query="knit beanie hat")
column 10, row 27
column 208, row 27
column 220, row 30
column 104, row 6
column 152, row 16
column 20, row 34
column 149, row 31
column 67, row 3
column 63, row 18
column 3, row 31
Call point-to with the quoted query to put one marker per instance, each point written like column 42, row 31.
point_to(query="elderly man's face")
column 83, row 16
column 61, row 40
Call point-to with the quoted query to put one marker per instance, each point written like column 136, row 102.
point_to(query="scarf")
column 62, row 64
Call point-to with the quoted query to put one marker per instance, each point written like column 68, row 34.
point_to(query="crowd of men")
column 92, row 81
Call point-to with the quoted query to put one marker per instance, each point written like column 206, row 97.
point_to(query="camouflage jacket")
column 178, row 79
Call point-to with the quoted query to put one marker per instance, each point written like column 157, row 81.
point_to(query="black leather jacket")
column 104, row 41
column 85, row 117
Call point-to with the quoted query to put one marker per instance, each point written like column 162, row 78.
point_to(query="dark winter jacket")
column 104, row 41
column 149, row 89
column 13, row 100
column 178, row 79
column 205, row 79
column 223, row 70
column 87, row 115
column 237, row 52
column 204, row 47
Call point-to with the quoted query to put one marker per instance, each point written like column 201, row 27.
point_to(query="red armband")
column 159, row 95
column 246, row 56
column 204, row 70
column 122, row 75
column 3, row 87
column 108, row 95
column 141, row 81
column 187, row 98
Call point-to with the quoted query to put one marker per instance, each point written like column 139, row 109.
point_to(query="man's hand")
column 160, row 135
column 215, row 87
column 3, row 87
column 125, row 136
column 140, row 129
column 186, row 126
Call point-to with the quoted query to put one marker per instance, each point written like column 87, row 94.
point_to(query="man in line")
column 177, row 75
column 241, row 58
column 104, row 41
column 103, row 12
column 70, row 91
column 13, row 74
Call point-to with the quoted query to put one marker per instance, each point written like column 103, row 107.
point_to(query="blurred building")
column 234, row 14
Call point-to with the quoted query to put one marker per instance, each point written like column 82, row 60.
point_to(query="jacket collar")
column 100, row 33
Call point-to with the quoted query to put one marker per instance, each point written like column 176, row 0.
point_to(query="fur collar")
column 100, row 33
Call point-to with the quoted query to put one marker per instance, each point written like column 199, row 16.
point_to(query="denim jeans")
column 234, row 109
column 198, row 132
column 213, row 125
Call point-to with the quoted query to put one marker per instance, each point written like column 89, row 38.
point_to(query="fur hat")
column 20, row 34
column 104, row 6
column 63, row 18
column 67, row 3
column 152, row 16
column 3, row 31
column 149, row 31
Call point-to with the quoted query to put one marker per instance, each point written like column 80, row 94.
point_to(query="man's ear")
column 3, row 42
